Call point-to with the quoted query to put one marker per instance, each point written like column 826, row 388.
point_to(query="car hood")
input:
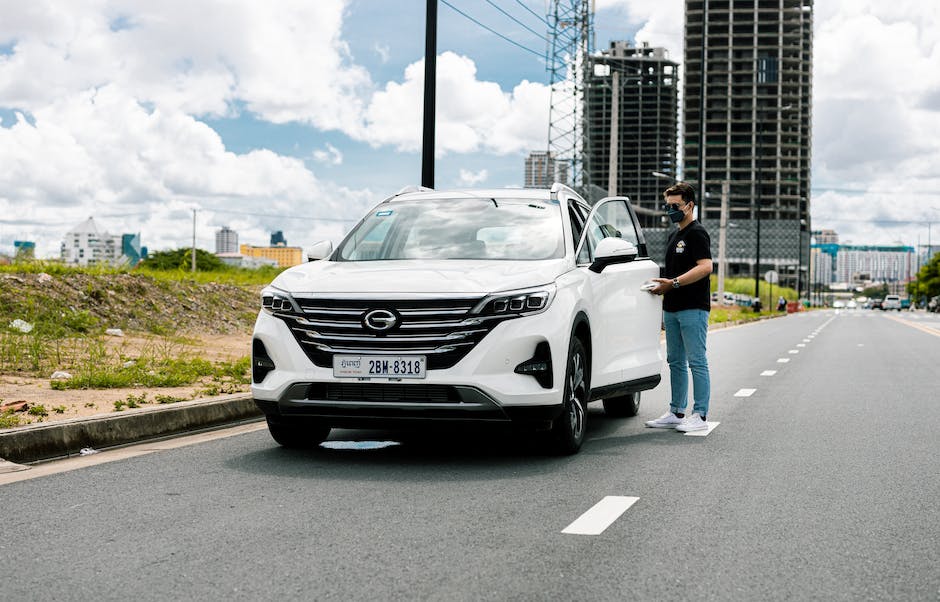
column 455, row 276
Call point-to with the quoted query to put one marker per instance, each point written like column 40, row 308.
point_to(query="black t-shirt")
column 684, row 249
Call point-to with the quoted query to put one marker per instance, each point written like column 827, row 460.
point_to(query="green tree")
column 928, row 280
column 181, row 259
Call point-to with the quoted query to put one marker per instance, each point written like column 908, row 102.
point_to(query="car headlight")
column 516, row 303
column 277, row 301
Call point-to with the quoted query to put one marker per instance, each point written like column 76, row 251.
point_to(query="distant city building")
column 24, row 249
column 226, row 241
column 86, row 245
column 747, row 107
column 284, row 256
column 245, row 261
column 631, row 112
column 860, row 264
column 540, row 169
column 825, row 237
column 278, row 240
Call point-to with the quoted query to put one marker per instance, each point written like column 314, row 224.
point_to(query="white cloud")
column 329, row 155
column 877, row 73
column 472, row 115
column 151, row 172
column 196, row 57
column 383, row 51
column 468, row 178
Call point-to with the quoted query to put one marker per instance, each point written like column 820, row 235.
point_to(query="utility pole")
column 723, row 240
column 430, row 83
column 614, row 133
column 194, row 241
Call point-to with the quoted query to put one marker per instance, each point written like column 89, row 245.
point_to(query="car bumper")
column 482, row 387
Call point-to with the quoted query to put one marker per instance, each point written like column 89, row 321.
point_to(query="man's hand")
column 663, row 285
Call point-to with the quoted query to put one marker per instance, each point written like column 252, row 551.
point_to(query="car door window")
column 609, row 219
column 577, row 215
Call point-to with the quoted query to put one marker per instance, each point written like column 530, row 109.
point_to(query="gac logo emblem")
column 379, row 320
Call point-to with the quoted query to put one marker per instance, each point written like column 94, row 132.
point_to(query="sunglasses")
column 673, row 206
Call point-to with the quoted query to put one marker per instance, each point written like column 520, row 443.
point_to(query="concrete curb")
column 37, row 442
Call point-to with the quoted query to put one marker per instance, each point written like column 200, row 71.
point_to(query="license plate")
column 379, row 366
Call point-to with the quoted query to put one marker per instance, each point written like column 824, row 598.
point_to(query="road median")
column 48, row 441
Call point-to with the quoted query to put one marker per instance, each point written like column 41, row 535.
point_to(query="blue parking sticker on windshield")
column 383, row 213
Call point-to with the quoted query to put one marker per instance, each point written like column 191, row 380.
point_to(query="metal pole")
column 760, row 151
column 614, row 133
column 723, row 240
column 430, row 82
column 194, row 241
column 703, row 75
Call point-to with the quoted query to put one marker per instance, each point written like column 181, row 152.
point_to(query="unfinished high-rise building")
column 631, row 117
column 748, row 97
column 540, row 169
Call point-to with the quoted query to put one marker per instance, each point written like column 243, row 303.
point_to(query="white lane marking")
column 861, row 344
column 745, row 392
column 703, row 432
column 768, row 372
column 794, row 351
column 600, row 516
column 807, row 340
column 801, row 344
column 783, row 360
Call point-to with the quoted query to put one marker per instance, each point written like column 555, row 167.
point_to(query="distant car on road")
column 891, row 302
column 839, row 304
column 877, row 303
column 852, row 304
column 934, row 304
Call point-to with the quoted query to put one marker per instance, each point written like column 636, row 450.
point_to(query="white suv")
column 515, row 305
column 891, row 302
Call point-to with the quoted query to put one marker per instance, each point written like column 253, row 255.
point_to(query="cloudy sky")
column 297, row 116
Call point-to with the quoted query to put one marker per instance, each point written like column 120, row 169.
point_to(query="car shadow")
column 419, row 456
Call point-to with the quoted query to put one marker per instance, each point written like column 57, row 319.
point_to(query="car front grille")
column 385, row 393
column 444, row 330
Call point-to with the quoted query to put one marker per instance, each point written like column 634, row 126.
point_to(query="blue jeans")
column 685, row 350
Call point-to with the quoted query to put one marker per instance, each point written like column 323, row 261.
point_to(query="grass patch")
column 98, row 373
column 9, row 419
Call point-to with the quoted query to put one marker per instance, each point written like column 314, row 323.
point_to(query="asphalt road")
column 820, row 481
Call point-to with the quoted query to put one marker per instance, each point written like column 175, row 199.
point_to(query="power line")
column 537, row 16
column 491, row 30
column 500, row 9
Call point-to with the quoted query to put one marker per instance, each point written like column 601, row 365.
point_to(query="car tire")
column 624, row 406
column 567, row 432
column 303, row 436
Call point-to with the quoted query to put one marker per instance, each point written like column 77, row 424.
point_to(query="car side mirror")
column 610, row 251
column 319, row 250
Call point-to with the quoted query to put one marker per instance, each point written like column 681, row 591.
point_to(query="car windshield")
column 458, row 228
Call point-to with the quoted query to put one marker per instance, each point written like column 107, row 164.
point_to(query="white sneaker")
column 666, row 421
column 692, row 423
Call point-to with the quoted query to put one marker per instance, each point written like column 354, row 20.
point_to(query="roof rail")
column 558, row 187
column 414, row 188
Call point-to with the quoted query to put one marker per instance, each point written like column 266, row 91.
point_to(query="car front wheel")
column 567, row 432
column 623, row 406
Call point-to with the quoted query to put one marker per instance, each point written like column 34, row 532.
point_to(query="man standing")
column 686, row 303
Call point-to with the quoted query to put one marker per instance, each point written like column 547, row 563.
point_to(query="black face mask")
column 675, row 215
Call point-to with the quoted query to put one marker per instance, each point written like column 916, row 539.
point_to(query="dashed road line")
column 600, row 516
column 793, row 351
column 768, row 372
column 703, row 432
column 745, row 392
column 783, row 360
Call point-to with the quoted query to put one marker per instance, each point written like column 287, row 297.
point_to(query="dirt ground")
column 16, row 389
